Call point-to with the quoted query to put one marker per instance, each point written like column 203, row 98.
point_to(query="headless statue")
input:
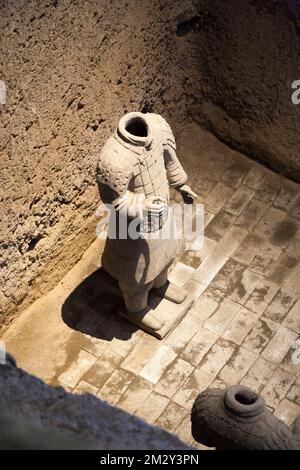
column 137, row 165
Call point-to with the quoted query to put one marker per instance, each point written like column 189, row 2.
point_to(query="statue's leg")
column 137, row 310
column 161, row 280
column 136, row 299
column 163, row 288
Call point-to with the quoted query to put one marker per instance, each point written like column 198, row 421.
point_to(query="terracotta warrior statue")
column 136, row 166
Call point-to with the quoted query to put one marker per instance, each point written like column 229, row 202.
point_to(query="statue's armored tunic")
column 133, row 167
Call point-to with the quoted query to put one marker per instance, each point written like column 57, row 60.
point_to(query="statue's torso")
column 149, row 176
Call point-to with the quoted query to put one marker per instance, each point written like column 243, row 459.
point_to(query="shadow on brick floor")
column 92, row 308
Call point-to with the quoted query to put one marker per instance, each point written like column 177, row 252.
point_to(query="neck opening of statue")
column 134, row 128
column 243, row 402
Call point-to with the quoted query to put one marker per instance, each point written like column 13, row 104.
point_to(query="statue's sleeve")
column 127, row 202
column 175, row 172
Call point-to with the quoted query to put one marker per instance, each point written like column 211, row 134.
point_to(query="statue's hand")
column 187, row 194
column 155, row 206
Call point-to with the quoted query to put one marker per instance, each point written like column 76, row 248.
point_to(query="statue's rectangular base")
column 170, row 312
column 167, row 311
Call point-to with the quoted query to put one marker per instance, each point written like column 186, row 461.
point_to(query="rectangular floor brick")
column 291, row 361
column 218, row 197
column 280, row 305
column 124, row 346
column 277, row 387
column 255, row 176
column 260, row 335
column 244, row 286
column 261, row 297
column 181, row 274
column 239, row 327
column 208, row 216
column 75, row 372
column 217, row 357
column 269, row 222
column 222, row 221
column 246, row 251
column 135, row 395
column 239, row 200
column 285, row 231
column 152, row 408
column 182, row 334
column 84, row 387
column 252, row 214
column 292, row 320
column 284, row 269
column 220, row 320
column 287, row 411
column 287, row 196
column 294, row 392
column 95, row 346
column 218, row 383
column 236, row 173
column 208, row 247
column 265, row 257
column 184, row 430
column 292, row 279
column 279, row 345
column 226, row 279
column 199, row 345
column 295, row 210
column 194, row 288
column 269, row 188
column 158, row 363
column 190, row 257
column 103, row 368
column 196, row 383
column 204, row 306
column 237, row 366
column 293, row 246
column 171, row 417
column 197, row 252
column 259, row 375
column 140, row 354
column 214, row 262
column 116, row 385
column 174, row 378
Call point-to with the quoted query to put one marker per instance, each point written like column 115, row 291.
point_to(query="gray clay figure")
column 137, row 165
column 237, row 418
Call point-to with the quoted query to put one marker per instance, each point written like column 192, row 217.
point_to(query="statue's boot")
column 145, row 318
column 171, row 292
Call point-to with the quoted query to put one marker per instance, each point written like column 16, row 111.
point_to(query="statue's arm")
column 129, row 203
column 175, row 172
column 176, row 175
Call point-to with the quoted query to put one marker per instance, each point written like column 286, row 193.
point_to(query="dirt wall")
column 248, row 58
column 71, row 69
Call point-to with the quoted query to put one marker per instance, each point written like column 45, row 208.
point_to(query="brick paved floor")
column 242, row 327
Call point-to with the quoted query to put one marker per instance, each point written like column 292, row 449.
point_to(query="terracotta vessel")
column 237, row 418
